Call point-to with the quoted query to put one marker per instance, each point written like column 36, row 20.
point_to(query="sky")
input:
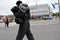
column 6, row 5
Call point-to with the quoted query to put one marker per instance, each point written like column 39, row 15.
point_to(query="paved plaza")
column 41, row 29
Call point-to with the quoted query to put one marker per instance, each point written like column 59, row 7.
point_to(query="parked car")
column 47, row 17
column 1, row 21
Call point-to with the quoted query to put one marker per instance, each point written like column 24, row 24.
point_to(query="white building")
column 43, row 9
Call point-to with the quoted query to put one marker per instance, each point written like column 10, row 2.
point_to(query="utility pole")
column 59, row 7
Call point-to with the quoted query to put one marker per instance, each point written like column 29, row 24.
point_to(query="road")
column 40, row 32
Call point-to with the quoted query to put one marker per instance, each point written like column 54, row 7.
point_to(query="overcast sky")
column 6, row 5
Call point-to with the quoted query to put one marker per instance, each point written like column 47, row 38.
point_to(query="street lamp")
column 36, row 2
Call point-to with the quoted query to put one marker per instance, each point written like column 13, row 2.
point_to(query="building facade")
column 40, row 10
column 43, row 9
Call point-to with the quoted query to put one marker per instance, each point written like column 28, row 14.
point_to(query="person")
column 22, row 18
column 6, row 22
